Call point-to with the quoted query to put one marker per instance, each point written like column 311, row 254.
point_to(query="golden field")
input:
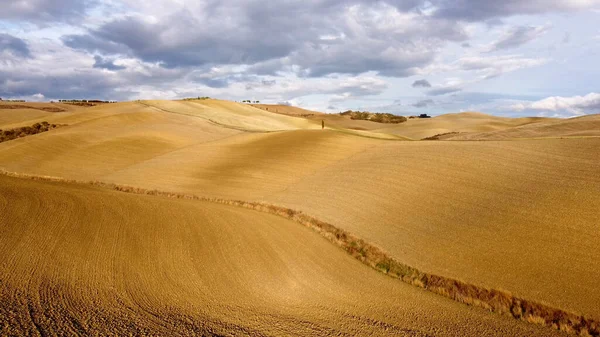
column 507, row 204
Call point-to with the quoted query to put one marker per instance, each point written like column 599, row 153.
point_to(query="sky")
column 507, row 58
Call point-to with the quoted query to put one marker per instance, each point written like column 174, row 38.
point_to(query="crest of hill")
column 287, row 110
column 232, row 115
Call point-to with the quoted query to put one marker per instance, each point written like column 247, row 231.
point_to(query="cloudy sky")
column 510, row 58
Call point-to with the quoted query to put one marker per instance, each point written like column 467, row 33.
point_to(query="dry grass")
column 497, row 301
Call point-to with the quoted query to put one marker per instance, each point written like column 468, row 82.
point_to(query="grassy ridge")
column 491, row 299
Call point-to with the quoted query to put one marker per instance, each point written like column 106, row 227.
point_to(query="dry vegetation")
column 43, row 108
column 6, row 135
column 377, row 117
column 441, row 136
column 456, row 218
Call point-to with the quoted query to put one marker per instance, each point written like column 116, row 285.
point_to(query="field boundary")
column 493, row 300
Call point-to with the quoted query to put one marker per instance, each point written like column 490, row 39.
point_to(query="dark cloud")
column 85, row 85
column 484, row 10
column 421, row 84
column 44, row 10
column 103, row 63
column 465, row 45
column 423, row 103
column 14, row 45
column 518, row 36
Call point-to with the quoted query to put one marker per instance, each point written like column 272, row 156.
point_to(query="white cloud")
column 492, row 66
column 577, row 105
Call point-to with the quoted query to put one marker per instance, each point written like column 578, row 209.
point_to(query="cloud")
column 103, row 63
column 517, row 36
column 444, row 90
column 577, row 105
column 423, row 103
column 493, row 66
column 14, row 45
column 325, row 37
column 421, row 84
column 482, row 10
column 44, row 10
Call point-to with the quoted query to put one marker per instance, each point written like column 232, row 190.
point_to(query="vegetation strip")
column 44, row 108
column 6, row 135
column 491, row 299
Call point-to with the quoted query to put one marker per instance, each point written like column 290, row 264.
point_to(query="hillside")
column 150, row 265
column 287, row 110
column 584, row 126
column 517, row 215
column 465, row 122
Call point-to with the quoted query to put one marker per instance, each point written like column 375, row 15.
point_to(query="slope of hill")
column 458, row 122
column 14, row 115
column 519, row 216
column 102, row 140
column 287, row 110
column 469, row 205
column 584, row 126
column 232, row 115
column 83, row 260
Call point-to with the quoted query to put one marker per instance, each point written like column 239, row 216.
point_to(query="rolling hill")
column 518, row 215
column 84, row 260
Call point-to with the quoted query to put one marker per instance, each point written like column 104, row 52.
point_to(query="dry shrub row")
column 6, row 135
column 439, row 135
column 43, row 108
column 378, row 117
column 497, row 301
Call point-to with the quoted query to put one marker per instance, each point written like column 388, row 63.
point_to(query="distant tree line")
column 84, row 101
column 196, row 98
column 13, row 100
column 374, row 116
column 249, row 101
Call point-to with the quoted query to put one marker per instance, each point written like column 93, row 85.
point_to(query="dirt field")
column 518, row 215
column 85, row 260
